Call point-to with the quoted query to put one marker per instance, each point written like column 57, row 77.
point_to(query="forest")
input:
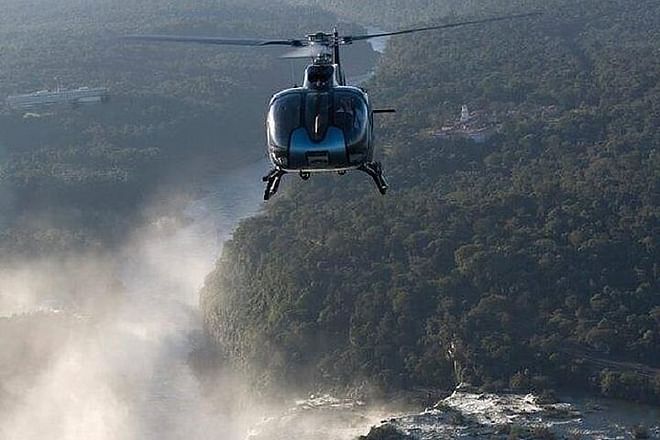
column 528, row 262
column 394, row 15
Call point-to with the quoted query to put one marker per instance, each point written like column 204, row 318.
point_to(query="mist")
column 97, row 345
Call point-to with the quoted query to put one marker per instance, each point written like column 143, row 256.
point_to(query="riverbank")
column 470, row 415
column 462, row 415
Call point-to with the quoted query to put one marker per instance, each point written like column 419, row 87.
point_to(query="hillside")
column 526, row 262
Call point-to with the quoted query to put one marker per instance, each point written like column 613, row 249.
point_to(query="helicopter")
column 324, row 125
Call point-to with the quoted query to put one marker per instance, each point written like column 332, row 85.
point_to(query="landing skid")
column 272, row 179
column 375, row 170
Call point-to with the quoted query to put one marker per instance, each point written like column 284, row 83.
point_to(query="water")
column 317, row 417
column 378, row 44
column 468, row 415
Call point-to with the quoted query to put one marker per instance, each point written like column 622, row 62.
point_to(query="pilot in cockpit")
column 345, row 113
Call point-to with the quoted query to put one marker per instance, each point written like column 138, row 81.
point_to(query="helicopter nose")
column 329, row 152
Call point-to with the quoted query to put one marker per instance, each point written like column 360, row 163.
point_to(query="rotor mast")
column 325, row 51
column 335, row 57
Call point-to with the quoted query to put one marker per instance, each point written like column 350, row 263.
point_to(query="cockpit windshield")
column 350, row 114
column 316, row 111
column 283, row 118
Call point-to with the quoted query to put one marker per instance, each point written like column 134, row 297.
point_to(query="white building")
column 465, row 114
column 48, row 97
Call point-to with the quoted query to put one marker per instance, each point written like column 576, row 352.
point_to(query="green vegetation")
column 394, row 15
column 640, row 431
column 529, row 261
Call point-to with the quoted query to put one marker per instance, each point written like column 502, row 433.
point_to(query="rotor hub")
column 319, row 37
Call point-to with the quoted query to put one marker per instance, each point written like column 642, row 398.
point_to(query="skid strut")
column 272, row 180
column 375, row 170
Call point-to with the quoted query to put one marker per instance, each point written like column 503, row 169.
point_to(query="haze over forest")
column 147, row 292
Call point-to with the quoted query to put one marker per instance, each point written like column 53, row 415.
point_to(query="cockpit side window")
column 350, row 114
column 283, row 118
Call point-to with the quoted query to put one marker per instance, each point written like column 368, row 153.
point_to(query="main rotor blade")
column 311, row 51
column 214, row 40
column 442, row 26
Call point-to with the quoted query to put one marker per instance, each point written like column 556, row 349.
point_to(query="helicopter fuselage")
column 321, row 126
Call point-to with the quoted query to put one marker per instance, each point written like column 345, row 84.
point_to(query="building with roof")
column 60, row 96
column 476, row 126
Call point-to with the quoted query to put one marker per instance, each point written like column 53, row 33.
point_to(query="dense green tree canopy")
column 528, row 261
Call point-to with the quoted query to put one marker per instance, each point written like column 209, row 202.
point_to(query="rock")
column 385, row 432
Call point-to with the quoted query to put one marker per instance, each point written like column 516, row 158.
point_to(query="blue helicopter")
column 325, row 125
